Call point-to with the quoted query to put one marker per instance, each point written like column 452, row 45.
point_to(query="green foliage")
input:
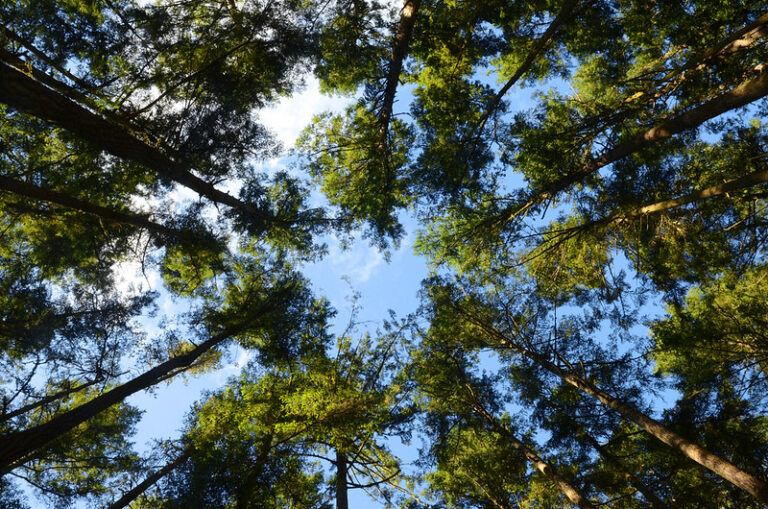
column 629, row 191
column 478, row 468
column 361, row 167
column 89, row 461
column 718, row 333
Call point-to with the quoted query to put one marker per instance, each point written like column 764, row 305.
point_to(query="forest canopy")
column 586, row 180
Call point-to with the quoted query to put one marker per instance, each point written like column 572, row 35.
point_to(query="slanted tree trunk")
column 538, row 47
column 738, row 184
column 537, row 461
column 16, row 445
column 739, row 96
column 25, row 94
column 150, row 481
column 725, row 469
column 47, row 399
column 27, row 45
column 580, row 432
column 26, row 190
column 342, row 493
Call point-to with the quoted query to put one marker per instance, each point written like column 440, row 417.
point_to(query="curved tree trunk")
column 738, row 184
column 580, row 431
column 745, row 182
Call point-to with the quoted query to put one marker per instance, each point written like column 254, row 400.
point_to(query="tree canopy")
column 585, row 179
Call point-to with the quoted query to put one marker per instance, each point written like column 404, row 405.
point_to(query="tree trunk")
column 738, row 184
column 29, row 96
column 45, row 400
column 16, row 445
column 10, row 34
column 649, row 495
column 251, row 482
column 542, row 466
column 747, row 181
column 565, row 14
column 147, row 483
column 49, row 81
column 396, row 57
column 739, row 96
column 725, row 469
column 26, row 190
column 342, row 498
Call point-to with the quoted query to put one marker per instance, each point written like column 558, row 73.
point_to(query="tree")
column 486, row 327
column 91, row 150
column 628, row 194
column 463, row 404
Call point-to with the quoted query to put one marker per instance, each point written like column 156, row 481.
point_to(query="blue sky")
column 361, row 269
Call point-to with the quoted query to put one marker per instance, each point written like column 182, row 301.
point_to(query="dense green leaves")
column 588, row 180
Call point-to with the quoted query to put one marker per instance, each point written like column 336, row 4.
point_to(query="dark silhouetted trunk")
column 26, row 190
column 150, row 481
column 29, row 96
column 245, row 493
column 396, row 58
column 538, row 47
column 342, row 498
column 16, row 445
column 45, row 400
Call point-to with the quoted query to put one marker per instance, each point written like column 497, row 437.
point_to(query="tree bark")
column 725, row 469
column 26, row 190
column 737, row 41
column 47, row 80
column 342, row 498
column 741, row 95
column 29, row 96
column 541, row 465
column 541, row 43
column 147, row 483
column 396, row 57
column 16, row 445
column 753, row 179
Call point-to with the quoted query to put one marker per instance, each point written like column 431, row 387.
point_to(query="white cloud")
column 130, row 279
column 233, row 368
column 359, row 262
column 292, row 114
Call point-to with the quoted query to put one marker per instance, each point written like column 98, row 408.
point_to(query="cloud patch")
column 292, row 114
